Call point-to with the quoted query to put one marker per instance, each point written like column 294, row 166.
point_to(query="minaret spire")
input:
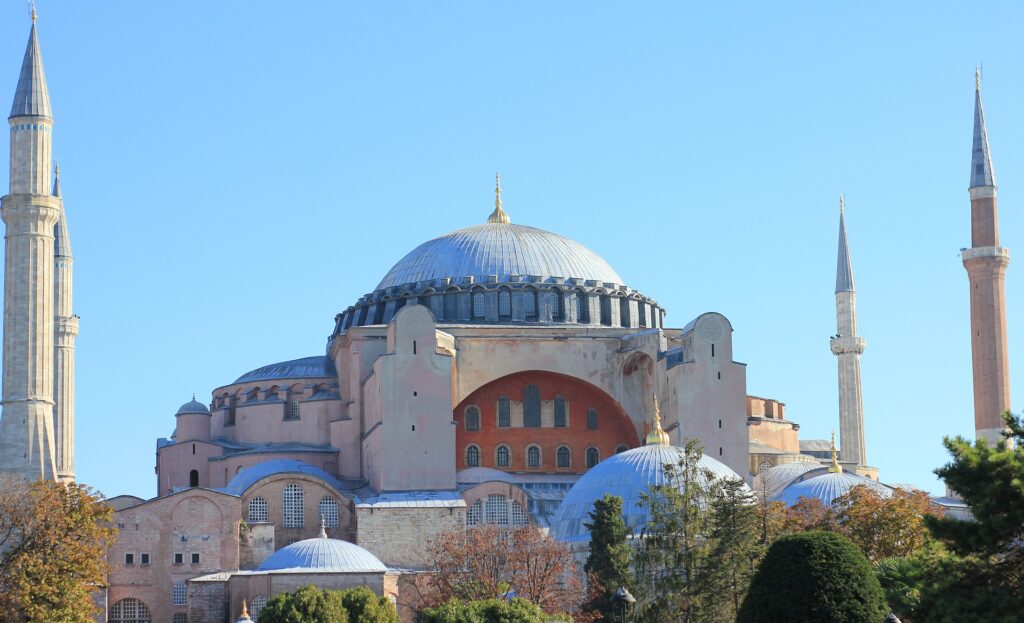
column 32, row 98
column 847, row 346
column 499, row 215
column 986, row 264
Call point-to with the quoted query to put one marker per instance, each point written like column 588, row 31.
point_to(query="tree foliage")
column 486, row 562
column 736, row 549
column 608, row 564
column 310, row 604
column 814, row 577
column 53, row 537
column 514, row 610
column 884, row 527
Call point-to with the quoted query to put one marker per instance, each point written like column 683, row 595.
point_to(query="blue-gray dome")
column 499, row 249
column 305, row 368
column 628, row 475
column 193, row 406
column 828, row 487
column 321, row 554
column 249, row 476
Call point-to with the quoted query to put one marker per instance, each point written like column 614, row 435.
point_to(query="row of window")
column 531, row 412
column 497, row 510
column 292, row 509
column 534, row 457
column 143, row 558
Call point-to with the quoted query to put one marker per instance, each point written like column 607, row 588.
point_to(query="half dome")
column 499, row 249
column 828, row 487
column 628, row 475
column 323, row 555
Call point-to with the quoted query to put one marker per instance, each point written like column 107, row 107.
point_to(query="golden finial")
column 245, row 610
column 499, row 215
column 33, row 12
column 835, row 467
column 657, row 436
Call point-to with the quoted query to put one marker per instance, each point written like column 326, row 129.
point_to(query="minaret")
column 29, row 212
column 847, row 346
column 65, row 330
column 986, row 264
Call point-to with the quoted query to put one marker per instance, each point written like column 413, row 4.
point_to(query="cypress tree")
column 608, row 562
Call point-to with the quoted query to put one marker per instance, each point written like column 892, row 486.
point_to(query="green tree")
column 53, row 536
column 884, row 527
column 736, row 531
column 608, row 565
column 514, row 610
column 671, row 559
column 814, row 577
column 309, row 604
column 365, row 606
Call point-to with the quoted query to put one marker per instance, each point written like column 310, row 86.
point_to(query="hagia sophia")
column 497, row 374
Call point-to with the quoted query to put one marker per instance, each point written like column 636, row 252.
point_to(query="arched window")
column 592, row 418
column 530, row 304
column 593, row 457
column 424, row 300
column 557, row 305
column 472, row 418
column 531, row 406
column 329, row 511
column 129, row 610
column 606, row 310
column 501, row 456
column 620, row 449
column 378, row 312
column 560, row 419
column 504, row 304
column 475, row 514
column 253, row 395
column 193, row 478
column 258, row 510
column 472, row 456
column 256, row 606
column 179, row 594
column 582, row 308
column 563, row 457
column 496, row 510
column 291, row 507
column 479, row 310
column 451, row 305
column 624, row 312
column 182, row 617
column 533, row 456
column 641, row 309
column 504, row 412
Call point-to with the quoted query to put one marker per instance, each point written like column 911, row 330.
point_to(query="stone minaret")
column 65, row 330
column 29, row 212
column 986, row 264
column 847, row 346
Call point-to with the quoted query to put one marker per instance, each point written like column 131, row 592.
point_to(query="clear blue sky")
column 235, row 173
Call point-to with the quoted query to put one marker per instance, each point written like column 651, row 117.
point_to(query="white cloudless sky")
column 236, row 173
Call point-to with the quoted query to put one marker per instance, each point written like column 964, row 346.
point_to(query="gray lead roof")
column 982, row 173
column 844, row 268
column 31, row 99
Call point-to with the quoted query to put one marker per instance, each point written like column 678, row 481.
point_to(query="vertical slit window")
column 531, row 407
column 504, row 412
column 560, row 418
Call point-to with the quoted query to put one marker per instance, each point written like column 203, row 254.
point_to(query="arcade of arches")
column 540, row 422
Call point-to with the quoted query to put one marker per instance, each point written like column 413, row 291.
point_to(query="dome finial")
column 245, row 610
column 499, row 215
column 323, row 527
column 33, row 11
column 657, row 436
column 835, row 467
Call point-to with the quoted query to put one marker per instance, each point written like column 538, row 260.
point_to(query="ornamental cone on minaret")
column 657, row 436
column 29, row 212
column 847, row 346
column 986, row 264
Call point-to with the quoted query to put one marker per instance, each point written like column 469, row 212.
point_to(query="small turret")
column 193, row 422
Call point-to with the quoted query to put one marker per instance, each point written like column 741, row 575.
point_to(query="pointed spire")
column 834, row 467
column 56, row 179
column 499, row 215
column 61, row 239
column 657, row 436
column 982, row 172
column 844, row 268
column 31, row 99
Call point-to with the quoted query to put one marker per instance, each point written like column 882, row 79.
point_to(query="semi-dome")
column 828, row 487
column 627, row 475
column 317, row 366
column 193, row 406
column 501, row 249
column 321, row 554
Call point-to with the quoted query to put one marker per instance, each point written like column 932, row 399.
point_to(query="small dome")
column 499, row 249
column 306, row 368
column 322, row 554
column 828, row 487
column 628, row 475
column 193, row 406
column 779, row 477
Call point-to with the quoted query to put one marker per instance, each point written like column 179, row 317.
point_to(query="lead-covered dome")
column 628, row 475
column 322, row 554
column 828, row 487
column 503, row 250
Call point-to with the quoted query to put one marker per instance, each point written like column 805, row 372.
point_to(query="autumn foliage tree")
column 53, row 539
column 490, row 561
column 884, row 527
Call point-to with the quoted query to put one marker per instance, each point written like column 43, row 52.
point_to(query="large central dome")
column 501, row 249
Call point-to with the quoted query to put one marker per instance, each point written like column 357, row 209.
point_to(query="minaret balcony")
column 979, row 252
column 843, row 345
